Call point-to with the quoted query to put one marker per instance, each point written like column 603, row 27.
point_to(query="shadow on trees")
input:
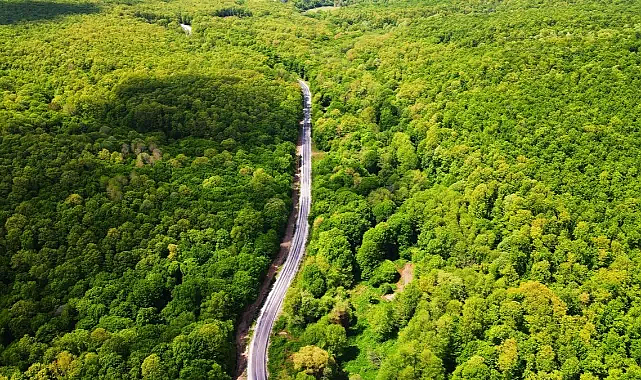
column 12, row 12
column 350, row 353
column 215, row 107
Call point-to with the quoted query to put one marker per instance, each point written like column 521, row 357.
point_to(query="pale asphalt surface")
column 257, row 361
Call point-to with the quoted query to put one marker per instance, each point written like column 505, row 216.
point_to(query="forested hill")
column 487, row 150
column 145, row 181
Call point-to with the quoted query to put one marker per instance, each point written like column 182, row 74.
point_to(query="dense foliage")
column 490, row 151
column 144, row 186
column 476, row 187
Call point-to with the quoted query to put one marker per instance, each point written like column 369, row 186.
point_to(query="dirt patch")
column 320, row 9
column 407, row 275
column 285, row 334
column 251, row 312
column 317, row 154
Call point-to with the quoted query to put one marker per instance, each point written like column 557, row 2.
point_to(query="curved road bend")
column 257, row 361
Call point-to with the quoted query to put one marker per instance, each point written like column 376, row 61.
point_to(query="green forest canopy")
column 145, row 183
column 488, row 148
column 492, row 148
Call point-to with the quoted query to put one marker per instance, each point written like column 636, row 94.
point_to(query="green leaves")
column 140, row 198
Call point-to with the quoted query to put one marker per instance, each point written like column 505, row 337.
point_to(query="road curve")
column 257, row 361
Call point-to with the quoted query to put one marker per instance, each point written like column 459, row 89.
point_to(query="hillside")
column 493, row 145
column 145, row 181
column 487, row 151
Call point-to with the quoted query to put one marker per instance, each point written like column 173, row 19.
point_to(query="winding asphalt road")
column 257, row 361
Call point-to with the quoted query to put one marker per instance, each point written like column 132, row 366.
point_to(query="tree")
column 334, row 247
column 208, row 341
column 473, row 369
column 382, row 321
column 275, row 213
column 247, row 223
column 312, row 360
column 313, row 280
column 411, row 361
column 152, row 368
column 335, row 339
column 375, row 247
column 405, row 152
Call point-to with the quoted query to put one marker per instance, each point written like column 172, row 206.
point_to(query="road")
column 257, row 361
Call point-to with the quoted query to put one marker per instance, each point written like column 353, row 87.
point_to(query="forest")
column 144, row 186
column 476, row 191
column 476, row 195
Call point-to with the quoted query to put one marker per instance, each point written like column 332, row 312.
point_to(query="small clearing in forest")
column 407, row 275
